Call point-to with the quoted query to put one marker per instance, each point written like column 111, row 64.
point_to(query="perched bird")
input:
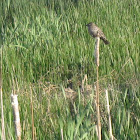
column 95, row 31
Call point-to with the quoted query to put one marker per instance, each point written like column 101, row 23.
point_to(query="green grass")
column 47, row 41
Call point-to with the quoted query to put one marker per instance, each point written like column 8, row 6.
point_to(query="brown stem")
column 98, row 105
column 32, row 113
column 97, row 86
column 1, row 98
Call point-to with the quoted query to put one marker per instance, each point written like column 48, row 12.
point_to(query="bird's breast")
column 93, row 31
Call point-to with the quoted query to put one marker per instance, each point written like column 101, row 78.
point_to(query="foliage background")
column 47, row 49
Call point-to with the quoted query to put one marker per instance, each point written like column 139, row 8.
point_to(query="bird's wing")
column 101, row 34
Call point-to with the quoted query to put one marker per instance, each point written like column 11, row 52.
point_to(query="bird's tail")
column 105, row 40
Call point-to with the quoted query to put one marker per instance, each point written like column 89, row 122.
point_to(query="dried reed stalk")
column 109, row 116
column 1, row 98
column 14, row 101
column 62, row 137
column 32, row 113
column 96, row 51
column 96, row 55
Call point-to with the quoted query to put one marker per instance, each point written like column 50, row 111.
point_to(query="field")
column 47, row 55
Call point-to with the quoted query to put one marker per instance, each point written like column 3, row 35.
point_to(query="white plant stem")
column 109, row 116
column 16, row 116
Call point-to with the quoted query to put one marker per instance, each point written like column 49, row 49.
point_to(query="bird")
column 95, row 31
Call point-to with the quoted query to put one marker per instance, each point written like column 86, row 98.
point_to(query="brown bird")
column 95, row 31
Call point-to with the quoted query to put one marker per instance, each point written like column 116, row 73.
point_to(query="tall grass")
column 47, row 41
